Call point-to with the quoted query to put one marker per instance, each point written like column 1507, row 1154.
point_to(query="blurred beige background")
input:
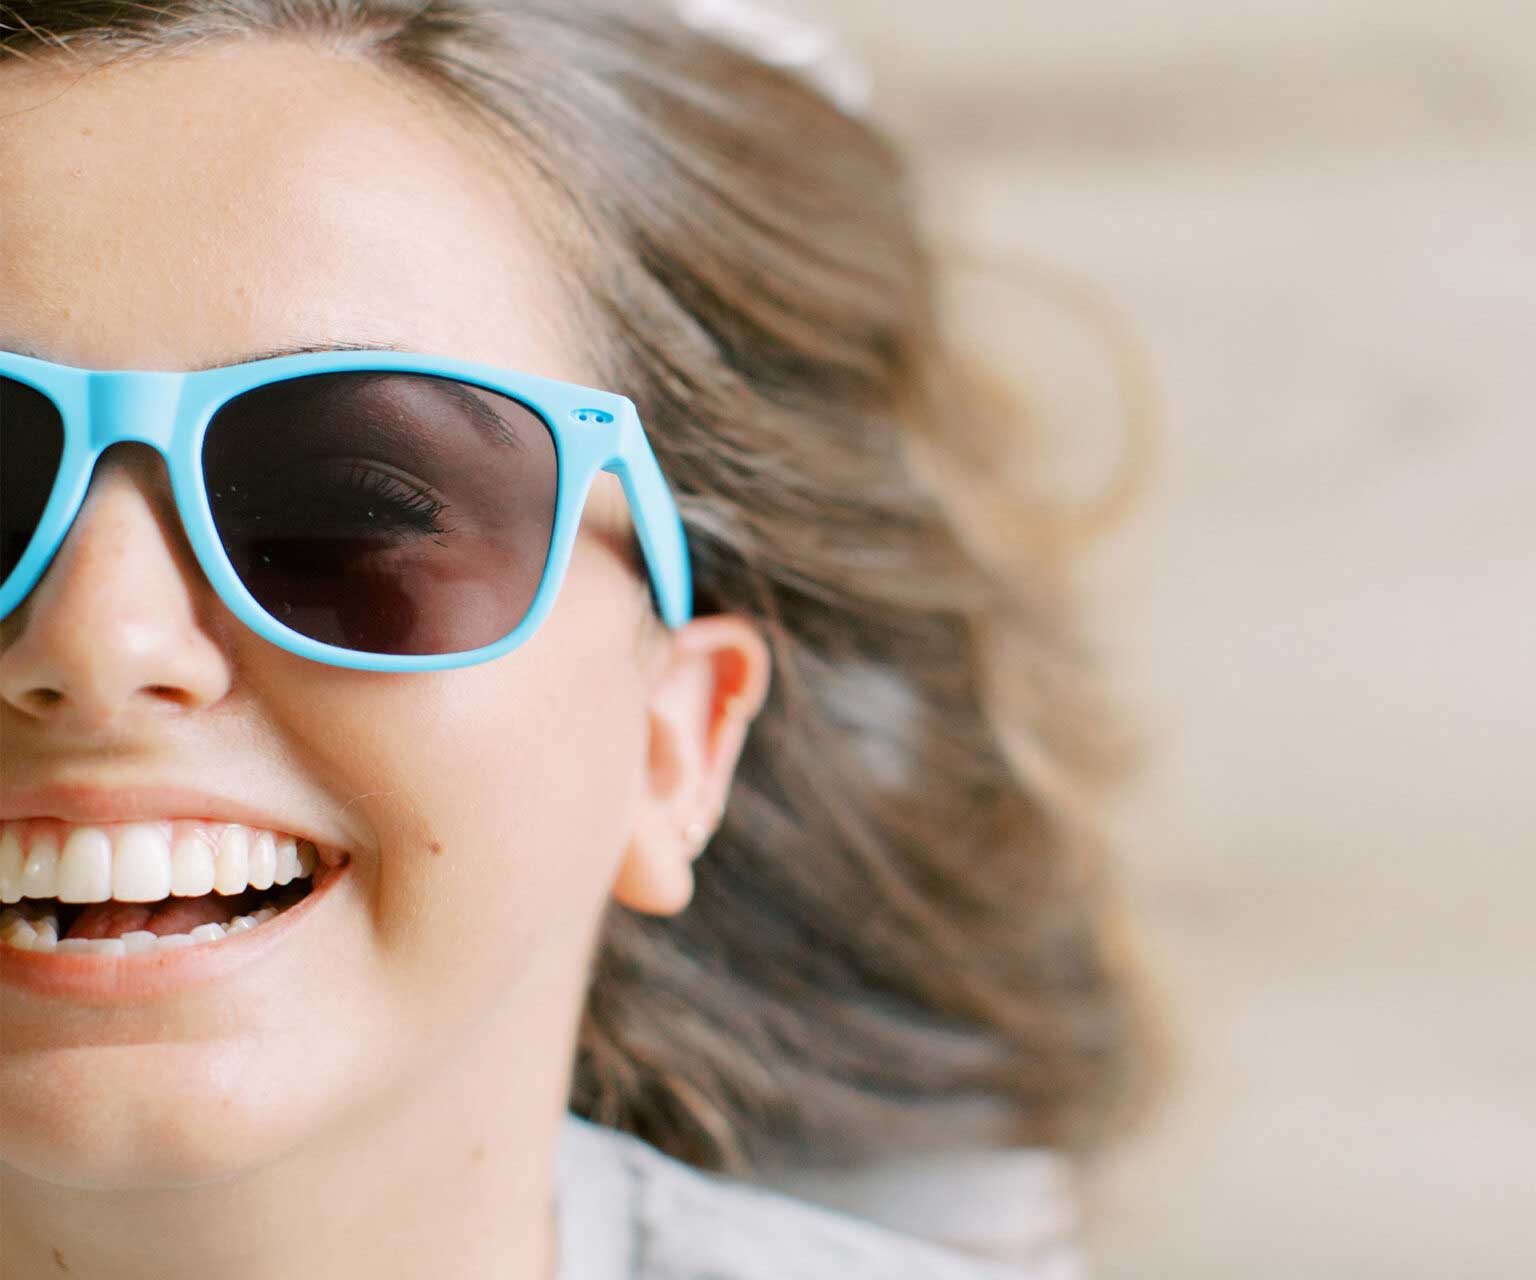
column 1320, row 217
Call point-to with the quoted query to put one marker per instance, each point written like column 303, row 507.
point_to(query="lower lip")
column 114, row 980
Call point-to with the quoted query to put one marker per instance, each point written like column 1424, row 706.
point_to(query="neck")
column 425, row 1183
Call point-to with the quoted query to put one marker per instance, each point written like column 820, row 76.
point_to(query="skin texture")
column 380, row 1097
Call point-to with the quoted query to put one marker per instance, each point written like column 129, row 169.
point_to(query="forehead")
column 180, row 211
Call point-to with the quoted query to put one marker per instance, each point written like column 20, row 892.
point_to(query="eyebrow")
column 303, row 349
column 250, row 357
column 485, row 418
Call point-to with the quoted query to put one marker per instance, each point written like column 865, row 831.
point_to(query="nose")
column 114, row 633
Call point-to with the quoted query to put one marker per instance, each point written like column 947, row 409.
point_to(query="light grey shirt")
column 627, row 1212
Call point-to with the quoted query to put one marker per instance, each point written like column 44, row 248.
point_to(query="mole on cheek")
column 435, row 846
column 59, row 1260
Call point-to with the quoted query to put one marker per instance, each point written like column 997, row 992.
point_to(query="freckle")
column 58, row 1259
column 86, row 131
column 478, row 1154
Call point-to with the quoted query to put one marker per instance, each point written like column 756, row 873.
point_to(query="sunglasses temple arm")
column 657, row 522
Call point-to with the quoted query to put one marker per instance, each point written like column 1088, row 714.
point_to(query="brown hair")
column 900, row 936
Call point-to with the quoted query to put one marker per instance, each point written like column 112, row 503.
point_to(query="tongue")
column 172, row 915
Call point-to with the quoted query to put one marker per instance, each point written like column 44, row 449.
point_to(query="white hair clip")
column 783, row 39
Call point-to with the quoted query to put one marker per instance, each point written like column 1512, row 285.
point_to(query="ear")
column 709, row 681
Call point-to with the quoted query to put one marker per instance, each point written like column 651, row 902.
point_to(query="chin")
column 145, row 1117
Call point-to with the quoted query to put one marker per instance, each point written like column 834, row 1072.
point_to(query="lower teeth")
column 40, row 932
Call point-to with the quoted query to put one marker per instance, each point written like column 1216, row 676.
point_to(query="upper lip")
column 148, row 803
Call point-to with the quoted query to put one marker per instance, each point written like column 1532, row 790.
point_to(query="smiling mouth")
column 134, row 887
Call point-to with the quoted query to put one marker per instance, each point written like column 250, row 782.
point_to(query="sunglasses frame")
column 592, row 431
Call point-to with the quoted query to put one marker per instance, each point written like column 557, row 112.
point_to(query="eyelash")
column 392, row 502
column 420, row 509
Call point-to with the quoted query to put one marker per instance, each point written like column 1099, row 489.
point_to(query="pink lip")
column 82, row 804
column 117, row 980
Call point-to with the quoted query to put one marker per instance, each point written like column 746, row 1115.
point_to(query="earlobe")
column 709, row 681
column 653, row 881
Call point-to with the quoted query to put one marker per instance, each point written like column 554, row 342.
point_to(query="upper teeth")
column 144, row 861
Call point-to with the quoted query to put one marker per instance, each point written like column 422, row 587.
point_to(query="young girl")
column 454, row 473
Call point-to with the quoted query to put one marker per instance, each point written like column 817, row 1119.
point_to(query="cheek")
column 521, row 804
column 499, row 799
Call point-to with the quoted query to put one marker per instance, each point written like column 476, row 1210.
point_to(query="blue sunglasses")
column 377, row 510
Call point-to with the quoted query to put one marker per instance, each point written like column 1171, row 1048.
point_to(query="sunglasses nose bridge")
column 134, row 407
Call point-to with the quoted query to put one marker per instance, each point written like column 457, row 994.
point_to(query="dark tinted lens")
column 31, row 444
column 385, row 513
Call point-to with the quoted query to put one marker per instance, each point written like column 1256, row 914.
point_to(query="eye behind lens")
column 401, row 514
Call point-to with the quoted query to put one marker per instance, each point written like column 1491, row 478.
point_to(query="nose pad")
column 115, row 629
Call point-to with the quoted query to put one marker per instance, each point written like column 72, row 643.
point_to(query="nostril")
column 42, row 701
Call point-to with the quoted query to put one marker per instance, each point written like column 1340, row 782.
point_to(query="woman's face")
column 188, row 212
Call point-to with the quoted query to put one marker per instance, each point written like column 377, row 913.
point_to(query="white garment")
column 627, row 1212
